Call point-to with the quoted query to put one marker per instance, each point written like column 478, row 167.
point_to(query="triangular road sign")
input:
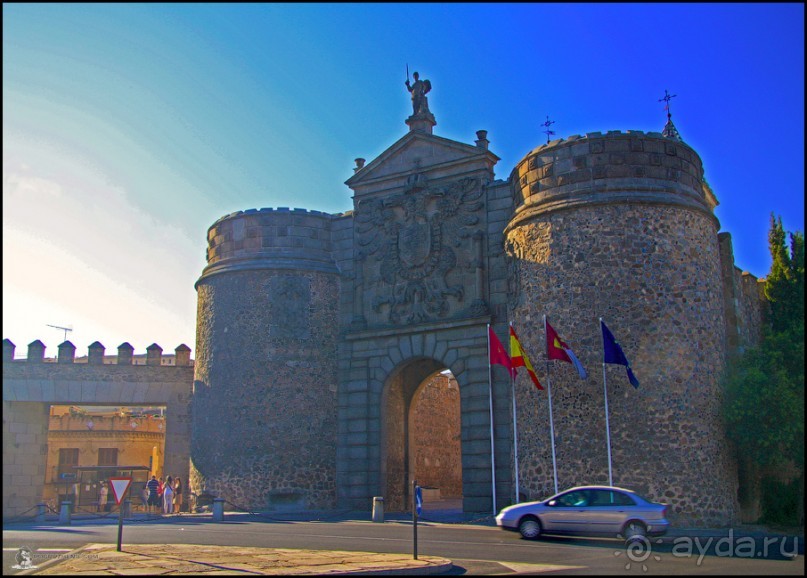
column 119, row 487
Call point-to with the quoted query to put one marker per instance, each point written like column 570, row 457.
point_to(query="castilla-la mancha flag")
column 556, row 348
column 519, row 358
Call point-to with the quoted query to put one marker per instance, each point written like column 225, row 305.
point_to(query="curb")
column 420, row 571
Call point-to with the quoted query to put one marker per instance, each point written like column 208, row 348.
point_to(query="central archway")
column 421, row 433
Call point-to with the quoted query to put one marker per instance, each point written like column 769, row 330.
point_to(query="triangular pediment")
column 419, row 152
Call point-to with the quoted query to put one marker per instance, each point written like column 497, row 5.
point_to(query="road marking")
column 536, row 568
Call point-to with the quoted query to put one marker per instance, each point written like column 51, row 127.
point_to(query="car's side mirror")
column 552, row 503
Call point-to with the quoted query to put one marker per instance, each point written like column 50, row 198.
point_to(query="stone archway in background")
column 421, row 433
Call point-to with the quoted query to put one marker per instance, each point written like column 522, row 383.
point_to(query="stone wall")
column 25, row 447
column 638, row 247
column 438, row 452
column 753, row 308
column 266, row 362
column 744, row 301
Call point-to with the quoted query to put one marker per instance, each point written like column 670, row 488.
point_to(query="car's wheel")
column 634, row 531
column 529, row 528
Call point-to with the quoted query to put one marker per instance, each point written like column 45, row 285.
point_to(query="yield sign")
column 119, row 487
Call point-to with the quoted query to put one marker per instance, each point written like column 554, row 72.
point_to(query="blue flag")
column 612, row 353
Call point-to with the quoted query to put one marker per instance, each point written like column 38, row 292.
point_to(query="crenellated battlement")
column 96, row 355
column 279, row 238
column 612, row 167
column 597, row 135
column 278, row 210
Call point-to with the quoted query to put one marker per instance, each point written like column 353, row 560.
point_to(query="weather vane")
column 548, row 132
column 666, row 99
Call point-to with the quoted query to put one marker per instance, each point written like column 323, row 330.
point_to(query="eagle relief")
column 412, row 236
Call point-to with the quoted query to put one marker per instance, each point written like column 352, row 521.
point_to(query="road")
column 475, row 550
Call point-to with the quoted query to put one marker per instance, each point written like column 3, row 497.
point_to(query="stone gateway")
column 320, row 336
column 340, row 357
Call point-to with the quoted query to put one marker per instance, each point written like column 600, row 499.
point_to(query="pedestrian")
column 154, row 487
column 144, row 496
column 103, row 494
column 168, row 496
column 160, row 491
column 177, row 495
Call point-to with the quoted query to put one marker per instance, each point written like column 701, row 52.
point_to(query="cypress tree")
column 764, row 395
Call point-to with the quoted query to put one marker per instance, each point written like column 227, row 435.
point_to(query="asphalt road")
column 475, row 550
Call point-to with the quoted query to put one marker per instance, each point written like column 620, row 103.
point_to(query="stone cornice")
column 433, row 327
column 597, row 196
column 90, row 435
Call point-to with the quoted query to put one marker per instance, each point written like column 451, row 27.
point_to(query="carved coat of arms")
column 413, row 236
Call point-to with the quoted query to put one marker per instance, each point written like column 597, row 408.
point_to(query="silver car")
column 587, row 511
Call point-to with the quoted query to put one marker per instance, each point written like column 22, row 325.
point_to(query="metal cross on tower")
column 666, row 99
column 547, row 131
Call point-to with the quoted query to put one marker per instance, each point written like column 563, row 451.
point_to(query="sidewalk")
column 156, row 559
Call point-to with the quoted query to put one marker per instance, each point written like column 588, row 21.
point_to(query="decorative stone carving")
column 412, row 235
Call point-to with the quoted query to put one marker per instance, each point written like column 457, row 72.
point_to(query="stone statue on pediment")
column 419, row 89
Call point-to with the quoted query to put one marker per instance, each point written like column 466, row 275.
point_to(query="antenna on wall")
column 65, row 329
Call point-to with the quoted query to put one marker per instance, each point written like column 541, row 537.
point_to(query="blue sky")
column 128, row 129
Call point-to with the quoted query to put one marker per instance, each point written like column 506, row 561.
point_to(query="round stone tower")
column 264, row 395
column 620, row 226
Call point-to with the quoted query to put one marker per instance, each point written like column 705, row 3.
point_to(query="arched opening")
column 89, row 443
column 422, row 437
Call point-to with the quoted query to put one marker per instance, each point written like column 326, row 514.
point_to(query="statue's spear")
column 407, row 72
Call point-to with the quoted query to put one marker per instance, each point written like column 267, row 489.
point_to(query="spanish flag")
column 519, row 358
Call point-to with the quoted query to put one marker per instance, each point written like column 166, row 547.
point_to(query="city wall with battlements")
column 31, row 385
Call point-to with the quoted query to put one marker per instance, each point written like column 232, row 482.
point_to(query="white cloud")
column 75, row 251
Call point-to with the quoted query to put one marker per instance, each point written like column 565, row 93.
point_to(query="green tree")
column 784, row 286
column 764, row 394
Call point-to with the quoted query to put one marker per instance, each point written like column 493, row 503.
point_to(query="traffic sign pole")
column 120, row 526
column 119, row 489
column 415, row 518
column 417, row 501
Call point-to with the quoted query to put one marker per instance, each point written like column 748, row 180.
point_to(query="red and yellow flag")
column 556, row 348
column 519, row 358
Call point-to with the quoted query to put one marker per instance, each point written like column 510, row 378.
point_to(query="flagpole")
column 551, row 423
column 492, row 453
column 605, row 393
column 515, row 426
